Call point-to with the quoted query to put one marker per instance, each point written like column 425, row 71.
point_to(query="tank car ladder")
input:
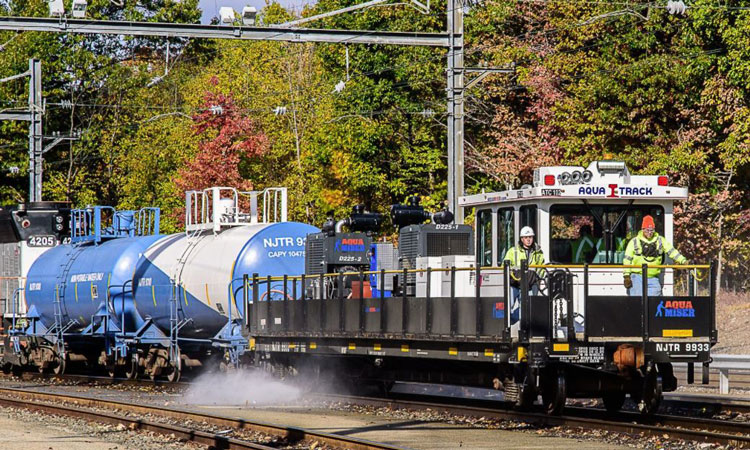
column 58, row 330
column 175, row 325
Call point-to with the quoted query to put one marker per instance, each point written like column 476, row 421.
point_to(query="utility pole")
column 455, row 107
column 34, row 116
column 35, row 131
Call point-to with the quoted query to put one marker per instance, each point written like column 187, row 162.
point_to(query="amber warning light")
column 549, row 180
column 663, row 181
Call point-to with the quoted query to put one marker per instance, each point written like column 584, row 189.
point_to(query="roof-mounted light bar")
column 611, row 166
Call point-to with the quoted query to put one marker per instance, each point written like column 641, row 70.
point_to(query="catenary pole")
column 455, row 107
column 453, row 40
column 35, row 131
column 34, row 116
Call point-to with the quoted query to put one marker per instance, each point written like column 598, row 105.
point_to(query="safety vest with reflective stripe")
column 517, row 254
column 582, row 247
column 634, row 254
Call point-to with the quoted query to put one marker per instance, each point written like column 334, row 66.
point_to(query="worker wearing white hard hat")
column 525, row 250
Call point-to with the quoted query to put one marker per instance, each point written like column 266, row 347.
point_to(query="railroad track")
column 113, row 412
column 676, row 427
column 700, row 429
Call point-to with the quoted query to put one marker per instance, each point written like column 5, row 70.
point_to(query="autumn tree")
column 228, row 138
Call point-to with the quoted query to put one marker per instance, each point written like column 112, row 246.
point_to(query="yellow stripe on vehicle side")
column 208, row 297
column 75, row 288
column 184, row 294
column 153, row 294
column 677, row 333
column 92, row 291
column 560, row 347
column 109, row 279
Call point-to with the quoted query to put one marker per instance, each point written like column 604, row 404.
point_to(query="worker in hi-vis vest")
column 647, row 247
column 584, row 247
column 526, row 250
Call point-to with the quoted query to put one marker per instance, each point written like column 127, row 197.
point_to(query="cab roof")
column 601, row 180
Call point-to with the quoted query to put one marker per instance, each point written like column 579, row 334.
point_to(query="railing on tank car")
column 289, row 290
column 96, row 223
column 217, row 207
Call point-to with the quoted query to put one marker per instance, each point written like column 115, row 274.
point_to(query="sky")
column 210, row 8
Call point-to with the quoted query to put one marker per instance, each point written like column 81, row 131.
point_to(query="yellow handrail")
column 483, row 268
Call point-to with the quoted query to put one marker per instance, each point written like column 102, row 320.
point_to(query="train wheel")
column 131, row 371
column 554, row 393
column 613, row 401
column 521, row 394
column 174, row 375
column 650, row 397
column 59, row 368
column 17, row 370
column 7, row 367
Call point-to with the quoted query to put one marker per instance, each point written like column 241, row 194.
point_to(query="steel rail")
column 710, row 402
column 49, row 403
column 200, row 437
column 694, row 429
column 678, row 427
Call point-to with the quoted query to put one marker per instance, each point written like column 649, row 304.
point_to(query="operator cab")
column 604, row 201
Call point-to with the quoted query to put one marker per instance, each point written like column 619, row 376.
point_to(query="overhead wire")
column 380, row 70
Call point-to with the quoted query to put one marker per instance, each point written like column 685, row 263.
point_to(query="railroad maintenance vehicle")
column 243, row 286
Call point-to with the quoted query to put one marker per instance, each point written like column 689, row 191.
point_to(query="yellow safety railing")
column 482, row 268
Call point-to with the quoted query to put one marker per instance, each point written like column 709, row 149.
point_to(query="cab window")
column 597, row 234
column 528, row 217
column 484, row 236
column 505, row 233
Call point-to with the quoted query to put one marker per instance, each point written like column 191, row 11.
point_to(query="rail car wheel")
column 174, row 374
column 113, row 370
column 131, row 368
column 522, row 395
column 613, row 401
column 650, row 398
column 59, row 367
column 554, row 393
column 17, row 370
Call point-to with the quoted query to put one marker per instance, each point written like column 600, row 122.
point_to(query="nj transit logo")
column 675, row 308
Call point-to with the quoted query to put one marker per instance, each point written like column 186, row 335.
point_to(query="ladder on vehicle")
column 175, row 325
column 59, row 329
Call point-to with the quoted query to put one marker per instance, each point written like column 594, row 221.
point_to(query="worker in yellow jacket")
column 530, row 252
column 647, row 247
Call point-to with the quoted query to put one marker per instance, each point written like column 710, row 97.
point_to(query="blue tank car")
column 128, row 299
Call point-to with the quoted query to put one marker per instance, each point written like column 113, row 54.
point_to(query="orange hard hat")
column 648, row 222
